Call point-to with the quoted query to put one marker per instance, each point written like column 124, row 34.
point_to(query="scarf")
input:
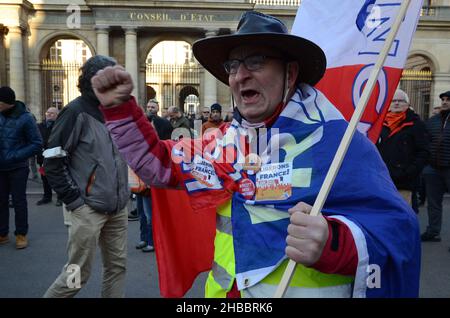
column 395, row 122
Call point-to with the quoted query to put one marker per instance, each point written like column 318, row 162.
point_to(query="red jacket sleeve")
column 339, row 255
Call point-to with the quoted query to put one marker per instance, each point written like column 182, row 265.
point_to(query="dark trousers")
column 144, row 208
column 418, row 193
column 437, row 182
column 14, row 182
column 47, row 188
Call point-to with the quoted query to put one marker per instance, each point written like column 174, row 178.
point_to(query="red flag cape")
column 184, row 240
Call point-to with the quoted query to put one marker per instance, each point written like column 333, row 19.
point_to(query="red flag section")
column 346, row 78
column 183, row 238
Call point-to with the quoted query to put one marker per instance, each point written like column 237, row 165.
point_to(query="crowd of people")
column 85, row 151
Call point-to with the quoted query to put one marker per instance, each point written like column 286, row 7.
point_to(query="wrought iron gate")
column 59, row 82
column 172, row 83
column 417, row 84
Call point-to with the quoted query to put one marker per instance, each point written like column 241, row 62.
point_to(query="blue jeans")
column 437, row 182
column 144, row 208
column 14, row 182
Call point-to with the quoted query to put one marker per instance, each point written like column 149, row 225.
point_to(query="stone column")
column 16, row 60
column 35, row 91
column 3, row 31
column 210, row 82
column 131, row 58
column 143, row 86
column 102, row 40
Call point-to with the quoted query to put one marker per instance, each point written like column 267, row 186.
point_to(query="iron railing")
column 59, row 82
column 276, row 2
column 173, row 83
column 435, row 12
column 417, row 84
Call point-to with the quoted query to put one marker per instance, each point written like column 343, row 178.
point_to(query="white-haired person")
column 403, row 145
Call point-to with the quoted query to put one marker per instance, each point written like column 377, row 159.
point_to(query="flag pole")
column 348, row 135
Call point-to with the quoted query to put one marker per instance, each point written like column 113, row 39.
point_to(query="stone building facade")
column 128, row 30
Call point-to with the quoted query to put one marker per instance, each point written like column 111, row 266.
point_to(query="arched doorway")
column 189, row 100
column 417, row 81
column 170, row 68
column 60, row 70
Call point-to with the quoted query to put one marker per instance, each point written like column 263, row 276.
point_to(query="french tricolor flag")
column 352, row 34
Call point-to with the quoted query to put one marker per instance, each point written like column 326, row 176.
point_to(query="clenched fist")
column 307, row 235
column 112, row 85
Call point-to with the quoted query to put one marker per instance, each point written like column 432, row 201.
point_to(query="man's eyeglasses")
column 251, row 63
column 400, row 101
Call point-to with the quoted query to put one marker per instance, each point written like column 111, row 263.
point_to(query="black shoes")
column 429, row 237
column 58, row 203
column 43, row 201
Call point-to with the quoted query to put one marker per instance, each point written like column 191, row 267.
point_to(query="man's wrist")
column 118, row 111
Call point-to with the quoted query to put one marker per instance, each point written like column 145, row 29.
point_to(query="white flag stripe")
column 343, row 42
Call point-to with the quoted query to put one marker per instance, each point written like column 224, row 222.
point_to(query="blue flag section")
column 385, row 228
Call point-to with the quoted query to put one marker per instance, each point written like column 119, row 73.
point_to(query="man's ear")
column 292, row 70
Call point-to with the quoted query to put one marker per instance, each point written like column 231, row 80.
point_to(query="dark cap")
column 7, row 95
column 446, row 94
column 216, row 106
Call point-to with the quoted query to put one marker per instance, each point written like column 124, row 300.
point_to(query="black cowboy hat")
column 255, row 28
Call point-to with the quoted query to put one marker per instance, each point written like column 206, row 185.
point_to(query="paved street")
column 29, row 272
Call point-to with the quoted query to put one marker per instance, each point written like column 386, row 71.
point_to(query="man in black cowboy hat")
column 271, row 74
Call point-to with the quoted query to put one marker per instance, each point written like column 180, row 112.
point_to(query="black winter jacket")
column 405, row 153
column 19, row 137
column 45, row 128
column 162, row 126
column 438, row 128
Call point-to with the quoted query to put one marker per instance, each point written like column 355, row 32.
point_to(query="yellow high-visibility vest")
column 306, row 282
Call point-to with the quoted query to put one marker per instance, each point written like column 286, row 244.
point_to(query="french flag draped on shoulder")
column 352, row 34
column 384, row 227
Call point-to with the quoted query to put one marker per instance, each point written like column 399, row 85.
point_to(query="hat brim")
column 211, row 53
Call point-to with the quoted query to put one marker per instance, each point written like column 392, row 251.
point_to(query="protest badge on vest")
column 274, row 182
column 247, row 188
column 203, row 171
